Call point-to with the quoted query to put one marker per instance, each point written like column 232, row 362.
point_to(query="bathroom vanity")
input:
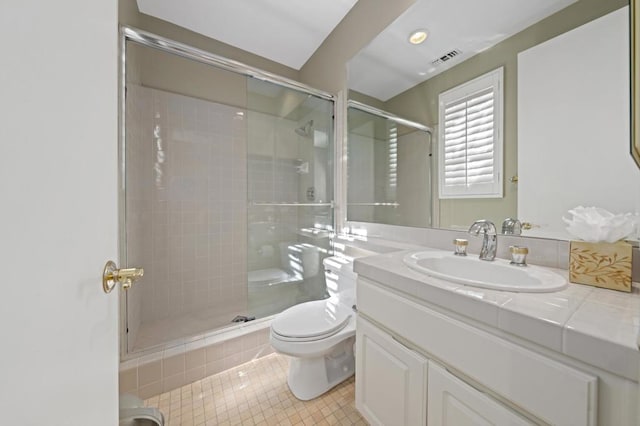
column 430, row 351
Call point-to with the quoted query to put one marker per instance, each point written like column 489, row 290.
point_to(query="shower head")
column 306, row 129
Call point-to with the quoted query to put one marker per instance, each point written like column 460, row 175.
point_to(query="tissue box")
column 605, row 265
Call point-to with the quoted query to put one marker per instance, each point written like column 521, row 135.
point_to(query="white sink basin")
column 497, row 274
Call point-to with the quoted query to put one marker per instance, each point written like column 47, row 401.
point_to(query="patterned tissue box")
column 606, row 265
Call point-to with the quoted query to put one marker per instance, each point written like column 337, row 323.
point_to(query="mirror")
column 378, row 190
column 563, row 146
column 635, row 87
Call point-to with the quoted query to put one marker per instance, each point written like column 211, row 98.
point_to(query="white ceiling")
column 389, row 65
column 285, row 31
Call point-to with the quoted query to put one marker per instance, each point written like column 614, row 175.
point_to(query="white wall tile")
column 178, row 189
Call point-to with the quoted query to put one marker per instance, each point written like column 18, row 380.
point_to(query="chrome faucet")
column 511, row 226
column 489, row 238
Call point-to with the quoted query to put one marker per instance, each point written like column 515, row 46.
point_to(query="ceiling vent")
column 447, row 56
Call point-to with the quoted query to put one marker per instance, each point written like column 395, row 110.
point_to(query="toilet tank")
column 340, row 278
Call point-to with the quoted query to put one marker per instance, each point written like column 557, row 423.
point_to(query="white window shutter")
column 471, row 143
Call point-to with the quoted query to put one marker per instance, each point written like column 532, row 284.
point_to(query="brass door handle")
column 125, row 276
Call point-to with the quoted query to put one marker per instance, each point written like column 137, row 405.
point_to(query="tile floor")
column 255, row 393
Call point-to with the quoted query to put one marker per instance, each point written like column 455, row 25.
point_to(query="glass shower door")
column 185, row 197
column 290, row 192
column 227, row 197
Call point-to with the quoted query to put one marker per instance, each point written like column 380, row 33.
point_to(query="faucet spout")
column 489, row 238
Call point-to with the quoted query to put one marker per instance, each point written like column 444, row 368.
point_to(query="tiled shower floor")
column 255, row 393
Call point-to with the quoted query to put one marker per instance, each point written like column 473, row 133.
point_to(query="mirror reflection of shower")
column 386, row 156
column 305, row 130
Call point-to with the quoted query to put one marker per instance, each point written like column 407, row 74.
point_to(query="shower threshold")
column 180, row 328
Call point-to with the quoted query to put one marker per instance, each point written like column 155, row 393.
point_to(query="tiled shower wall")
column 273, row 149
column 186, row 205
column 269, row 225
column 284, row 167
column 138, row 205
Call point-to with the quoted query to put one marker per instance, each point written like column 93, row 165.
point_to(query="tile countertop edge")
column 389, row 269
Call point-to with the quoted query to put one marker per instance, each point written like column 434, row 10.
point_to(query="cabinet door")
column 453, row 402
column 390, row 379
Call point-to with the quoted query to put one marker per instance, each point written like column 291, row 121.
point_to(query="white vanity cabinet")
column 453, row 402
column 391, row 382
column 474, row 376
column 392, row 388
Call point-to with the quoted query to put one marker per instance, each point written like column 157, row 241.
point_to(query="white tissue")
column 593, row 224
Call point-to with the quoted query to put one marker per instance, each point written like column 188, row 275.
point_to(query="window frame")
column 492, row 80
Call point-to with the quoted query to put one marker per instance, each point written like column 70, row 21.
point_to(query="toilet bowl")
column 319, row 335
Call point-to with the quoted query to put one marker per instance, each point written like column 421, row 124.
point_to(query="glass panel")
column 388, row 171
column 290, row 184
column 185, row 196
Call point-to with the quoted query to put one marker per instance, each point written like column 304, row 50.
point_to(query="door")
column 390, row 379
column 58, row 215
column 452, row 402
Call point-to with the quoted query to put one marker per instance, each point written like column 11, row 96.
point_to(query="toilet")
column 319, row 336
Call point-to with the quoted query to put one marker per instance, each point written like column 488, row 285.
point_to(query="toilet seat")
column 311, row 321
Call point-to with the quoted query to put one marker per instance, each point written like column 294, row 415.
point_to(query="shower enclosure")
column 227, row 189
column 389, row 168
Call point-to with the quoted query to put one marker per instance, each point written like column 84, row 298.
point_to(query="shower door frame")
column 145, row 38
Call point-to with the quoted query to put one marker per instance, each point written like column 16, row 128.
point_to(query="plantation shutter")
column 470, row 150
column 468, row 140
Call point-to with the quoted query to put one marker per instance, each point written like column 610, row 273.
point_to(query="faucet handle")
column 511, row 226
column 461, row 246
column 519, row 255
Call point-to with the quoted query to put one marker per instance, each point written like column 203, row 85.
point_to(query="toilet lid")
column 318, row 319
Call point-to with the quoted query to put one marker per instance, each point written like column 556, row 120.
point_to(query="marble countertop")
column 597, row 326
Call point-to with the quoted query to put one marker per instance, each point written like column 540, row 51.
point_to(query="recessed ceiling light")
column 422, row 73
column 418, row 36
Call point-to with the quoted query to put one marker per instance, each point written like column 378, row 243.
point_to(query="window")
column 470, row 148
column 392, row 175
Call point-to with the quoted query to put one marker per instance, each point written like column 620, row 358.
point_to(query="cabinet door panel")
column 390, row 379
column 451, row 402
